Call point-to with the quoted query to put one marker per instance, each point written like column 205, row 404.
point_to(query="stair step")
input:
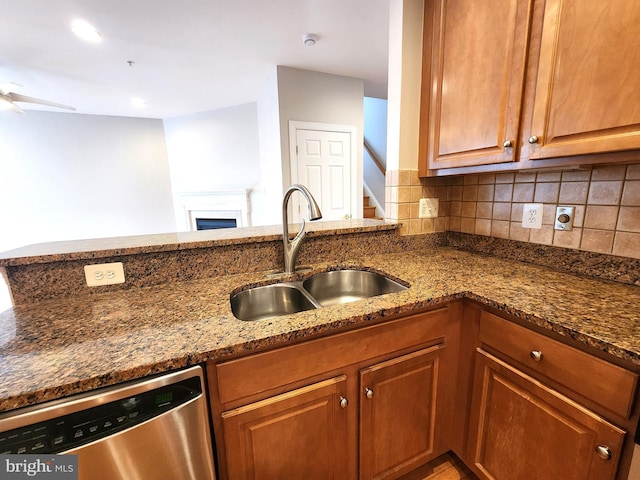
column 369, row 211
column 365, row 201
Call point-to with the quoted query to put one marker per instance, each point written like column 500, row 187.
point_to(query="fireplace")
column 212, row 210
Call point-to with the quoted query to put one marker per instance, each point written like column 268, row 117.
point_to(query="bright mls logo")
column 50, row 467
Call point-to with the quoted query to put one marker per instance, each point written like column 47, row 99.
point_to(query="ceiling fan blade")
column 7, row 104
column 16, row 97
column 6, row 87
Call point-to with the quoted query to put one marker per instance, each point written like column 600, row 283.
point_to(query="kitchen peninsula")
column 173, row 311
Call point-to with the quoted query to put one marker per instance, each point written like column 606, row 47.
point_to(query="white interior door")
column 323, row 163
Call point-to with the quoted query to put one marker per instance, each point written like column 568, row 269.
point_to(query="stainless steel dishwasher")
column 149, row 429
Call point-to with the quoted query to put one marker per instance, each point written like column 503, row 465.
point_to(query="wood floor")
column 445, row 467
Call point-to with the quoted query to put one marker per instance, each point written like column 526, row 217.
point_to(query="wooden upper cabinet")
column 588, row 80
column 474, row 81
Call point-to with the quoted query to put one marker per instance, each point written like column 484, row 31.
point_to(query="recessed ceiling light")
column 138, row 102
column 85, row 31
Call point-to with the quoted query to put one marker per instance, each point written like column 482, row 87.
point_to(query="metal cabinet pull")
column 368, row 392
column 533, row 139
column 536, row 355
column 343, row 402
column 507, row 144
column 603, row 452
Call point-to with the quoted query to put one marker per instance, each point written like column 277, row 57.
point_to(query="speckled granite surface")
column 56, row 348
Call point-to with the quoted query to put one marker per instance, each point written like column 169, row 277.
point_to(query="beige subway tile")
column 455, row 180
column 414, row 209
column 517, row 232
column 523, row 192
column 404, row 194
column 483, row 226
column 568, row 239
column 525, row 177
column 542, row 235
column 503, row 192
column 391, row 178
column 391, row 210
column 468, row 209
column 404, row 228
column 501, row 211
column 404, row 211
column 601, row 217
column 454, row 224
column 605, row 193
column 441, row 192
column 548, row 214
column 608, row 172
column 633, row 172
column 627, row 244
column 404, row 178
column 485, row 192
column 631, row 194
column 470, row 193
column 416, row 193
column 546, row 192
column 428, row 181
column 444, row 208
column 500, row 228
column 471, row 179
column 455, row 208
column 440, row 224
column 430, row 192
column 414, row 178
column 548, row 177
column 415, row 226
column 468, row 225
column 579, row 214
column 484, row 209
column 428, row 225
column 572, row 193
column 600, row 241
column 576, row 175
column 392, row 194
column 517, row 210
column 629, row 219
column 505, row 177
column 487, row 178
column 455, row 192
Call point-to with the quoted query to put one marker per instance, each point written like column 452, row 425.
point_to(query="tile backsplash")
column 607, row 201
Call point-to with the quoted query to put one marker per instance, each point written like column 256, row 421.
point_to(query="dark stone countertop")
column 52, row 349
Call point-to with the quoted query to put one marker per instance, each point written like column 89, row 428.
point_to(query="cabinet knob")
column 536, row 355
column 603, row 452
column 368, row 392
column 508, row 144
column 533, row 139
column 343, row 402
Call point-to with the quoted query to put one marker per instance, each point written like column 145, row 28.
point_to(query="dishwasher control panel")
column 79, row 428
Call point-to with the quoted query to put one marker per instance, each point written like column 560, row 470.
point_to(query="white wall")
column 375, row 131
column 405, row 71
column 309, row 96
column 70, row 176
column 216, row 150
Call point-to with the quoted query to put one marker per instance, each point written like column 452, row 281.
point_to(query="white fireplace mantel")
column 218, row 204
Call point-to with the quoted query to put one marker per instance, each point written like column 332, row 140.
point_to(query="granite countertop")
column 57, row 348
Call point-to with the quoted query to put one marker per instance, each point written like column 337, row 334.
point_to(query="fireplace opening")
column 215, row 223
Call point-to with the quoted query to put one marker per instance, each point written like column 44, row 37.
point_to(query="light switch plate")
column 532, row 215
column 104, row 274
column 428, row 208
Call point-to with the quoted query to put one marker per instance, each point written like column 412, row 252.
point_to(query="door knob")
column 536, row 355
column 368, row 392
column 533, row 139
column 507, row 144
column 343, row 402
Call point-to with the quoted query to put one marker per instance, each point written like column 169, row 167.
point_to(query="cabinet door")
column 397, row 413
column 588, row 83
column 478, row 69
column 299, row 434
column 521, row 429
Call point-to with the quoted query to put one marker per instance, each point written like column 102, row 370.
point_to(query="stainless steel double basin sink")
column 319, row 290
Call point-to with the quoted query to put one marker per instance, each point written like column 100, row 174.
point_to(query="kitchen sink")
column 343, row 286
column 319, row 290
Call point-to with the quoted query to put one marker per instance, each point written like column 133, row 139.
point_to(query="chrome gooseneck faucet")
column 291, row 247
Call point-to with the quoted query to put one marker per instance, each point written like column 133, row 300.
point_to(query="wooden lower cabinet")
column 398, row 401
column 521, row 429
column 298, row 434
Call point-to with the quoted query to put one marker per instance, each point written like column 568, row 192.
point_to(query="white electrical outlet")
column 532, row 215
column 104, row 274
column 428, row 208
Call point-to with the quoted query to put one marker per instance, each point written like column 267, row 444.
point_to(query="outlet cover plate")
column 104, row 274
column 532, row 215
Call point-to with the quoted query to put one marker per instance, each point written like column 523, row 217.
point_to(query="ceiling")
column 189, row 55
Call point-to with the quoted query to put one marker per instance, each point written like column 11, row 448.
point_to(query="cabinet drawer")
column 608, row 385
column 264, row 371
